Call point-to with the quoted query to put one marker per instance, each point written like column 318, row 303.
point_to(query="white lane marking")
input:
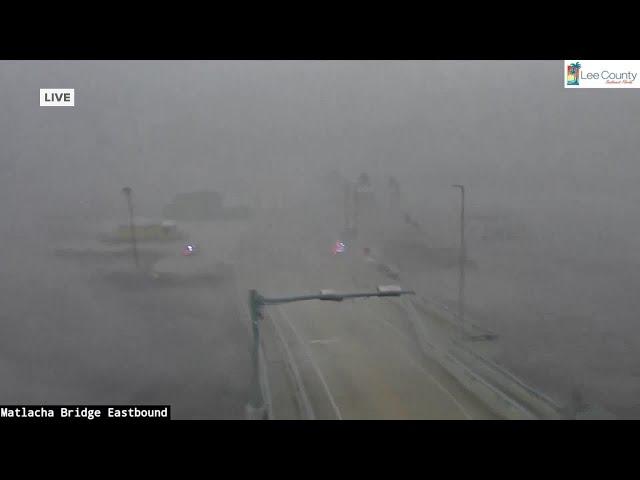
column 313, row 364
column 302, row 396
column 325, row 341
column 400, row 333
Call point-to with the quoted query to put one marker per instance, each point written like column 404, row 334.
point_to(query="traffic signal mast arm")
column 330, row 295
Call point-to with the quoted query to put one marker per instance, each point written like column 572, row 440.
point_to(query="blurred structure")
column 202, row 206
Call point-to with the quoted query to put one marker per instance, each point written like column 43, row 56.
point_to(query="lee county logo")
column 573, row 73
column 57, row 97
column 602, row 74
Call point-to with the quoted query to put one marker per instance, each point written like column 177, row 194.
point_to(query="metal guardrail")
column 488, row 390
column 536, row 394
column 454, row 320
column 300, row 392
column 490, row 383
column 450, row 316
column 498, row 386
column 548, row 407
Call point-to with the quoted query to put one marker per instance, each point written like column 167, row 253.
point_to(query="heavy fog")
column 556, row 166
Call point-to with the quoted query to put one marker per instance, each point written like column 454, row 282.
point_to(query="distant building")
column 201, row 206
column 144, row 229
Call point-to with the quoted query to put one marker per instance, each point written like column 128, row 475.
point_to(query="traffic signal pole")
column 256, row 408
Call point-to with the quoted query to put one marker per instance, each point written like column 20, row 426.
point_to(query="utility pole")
column 127, row 193
column 462, row 260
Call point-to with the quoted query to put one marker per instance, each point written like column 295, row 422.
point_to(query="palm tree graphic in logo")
column 573, row 74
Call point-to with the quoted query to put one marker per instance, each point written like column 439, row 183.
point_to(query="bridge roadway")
column 357, row 359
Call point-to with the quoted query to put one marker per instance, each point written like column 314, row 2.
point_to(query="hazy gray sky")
column 509, row 130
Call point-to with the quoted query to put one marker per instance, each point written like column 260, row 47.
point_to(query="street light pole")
column 256, row 408
column 462, row 260
column 127, row 193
